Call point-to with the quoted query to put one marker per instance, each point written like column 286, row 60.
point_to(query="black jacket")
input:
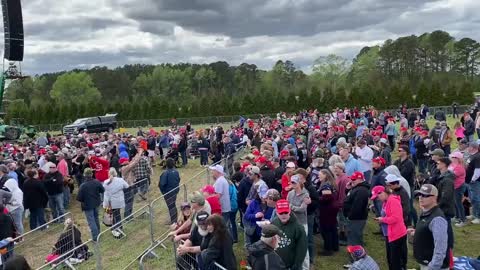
column 269, row 177
column 34, row 194
column 7, row 227
column 314, row 196
column 355, row 206
column 407, row 169
column 262, row 257
column 53, row 183
column 421, row 149
column 243, row 190
column 469, row 128
column 446, row 199
column 405, row 200
column 378, row 177
column 221, row 252
column 89, row 194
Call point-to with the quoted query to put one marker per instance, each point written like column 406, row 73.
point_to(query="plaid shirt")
column 365, row 263
column 143, row 169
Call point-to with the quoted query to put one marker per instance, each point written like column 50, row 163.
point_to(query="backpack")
column 411, row 146
column 233, row 197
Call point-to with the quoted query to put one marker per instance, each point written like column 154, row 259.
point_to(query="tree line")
column 434, row 68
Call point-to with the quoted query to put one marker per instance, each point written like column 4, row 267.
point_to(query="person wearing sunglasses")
column 430, row 238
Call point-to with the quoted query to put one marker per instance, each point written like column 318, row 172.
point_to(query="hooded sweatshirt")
column 392, row 169
column 17, row 195
column 293, row 243
column 446, row 200
column 262, row 257
column 394, row 218
column 297, row 206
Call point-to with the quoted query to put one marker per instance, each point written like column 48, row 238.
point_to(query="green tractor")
column 17, row 127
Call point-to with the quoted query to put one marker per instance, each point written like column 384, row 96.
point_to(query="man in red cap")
column 355, row 208
column 292, row 247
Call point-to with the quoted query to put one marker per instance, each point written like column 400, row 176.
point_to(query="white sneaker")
column 454, row 220
column 470, row 217
column 476, row 221
column 115, row 233
column 461, row 224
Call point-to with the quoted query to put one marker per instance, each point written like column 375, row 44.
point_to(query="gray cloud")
column 79, row 34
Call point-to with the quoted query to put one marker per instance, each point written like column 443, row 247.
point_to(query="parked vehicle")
column 92, row 124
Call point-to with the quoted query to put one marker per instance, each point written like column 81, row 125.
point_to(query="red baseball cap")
column 208, row 189
column 123, row 161
column 283, row 206
column 256, row 152
column 403, row 129
column 379, row 160
column 284, row 153
column 357, row 176
column 261, row 159
column 376, row 191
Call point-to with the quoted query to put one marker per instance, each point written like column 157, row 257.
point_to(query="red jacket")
column 394, row 218
column 215, row 205
column 101, row 167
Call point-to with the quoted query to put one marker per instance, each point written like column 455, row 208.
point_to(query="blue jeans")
column 93, row 222
column 233, row 223
column 377, row 204
column 422, row 165
column 311, row 243
column 17, row 216
column 183, row 154
column 37, row 217
column 55, row 203
column 355, row 232
column 226, row 219
column 66, row 197
column 459, row 209
column 474, row 194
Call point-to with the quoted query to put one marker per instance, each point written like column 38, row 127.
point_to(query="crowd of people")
column 306, row 174
column 314, row 174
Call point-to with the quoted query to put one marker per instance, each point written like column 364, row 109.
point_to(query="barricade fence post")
column 129, row 246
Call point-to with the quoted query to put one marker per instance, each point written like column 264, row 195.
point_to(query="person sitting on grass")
column 66, row 245
column 361, row 260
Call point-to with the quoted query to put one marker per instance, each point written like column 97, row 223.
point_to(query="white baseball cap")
column 218, row 168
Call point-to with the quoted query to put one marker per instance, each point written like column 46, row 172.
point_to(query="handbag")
column 108, row 216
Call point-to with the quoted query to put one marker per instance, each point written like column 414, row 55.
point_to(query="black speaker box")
column 13, row 29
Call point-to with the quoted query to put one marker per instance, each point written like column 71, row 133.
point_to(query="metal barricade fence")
column 42, row 240
column 118, row 253
column 165, row 210
column 74, row 258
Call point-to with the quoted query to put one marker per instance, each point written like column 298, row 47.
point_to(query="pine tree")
column 328, row 100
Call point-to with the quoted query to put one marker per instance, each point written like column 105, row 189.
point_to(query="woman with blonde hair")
column 114, row 198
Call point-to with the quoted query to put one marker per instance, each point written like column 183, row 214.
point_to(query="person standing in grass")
column 393, row 227
column 430, row 243
column 458, row 168
column 89, row 195
column 169, row 187
column 115, row 199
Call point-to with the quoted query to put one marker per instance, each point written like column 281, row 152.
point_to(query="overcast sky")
column 62, row 35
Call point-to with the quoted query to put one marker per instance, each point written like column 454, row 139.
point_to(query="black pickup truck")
column 92, row 124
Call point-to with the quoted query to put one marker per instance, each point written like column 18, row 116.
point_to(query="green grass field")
column 122, row 253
